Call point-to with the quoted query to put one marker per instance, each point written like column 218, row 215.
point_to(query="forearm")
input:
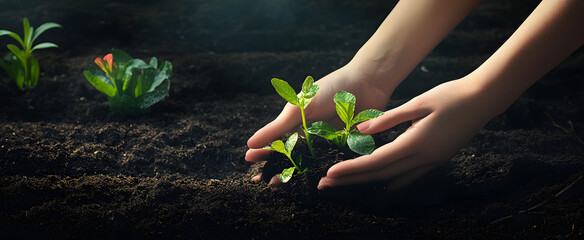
column 406, row 36
column 549, row 35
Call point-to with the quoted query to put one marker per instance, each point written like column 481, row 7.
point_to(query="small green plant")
column 131, row 85
column 301, row 100
column 345, row 105
column 22, row 67
column 286, row 149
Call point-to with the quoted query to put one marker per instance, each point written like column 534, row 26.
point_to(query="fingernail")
column 321, row 186
column 246, row 155
column 256, row 178
column 275, row 181
column 364, row 125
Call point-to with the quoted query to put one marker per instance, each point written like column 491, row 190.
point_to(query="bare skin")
column 445, row 117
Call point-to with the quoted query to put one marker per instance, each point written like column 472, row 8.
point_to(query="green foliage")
column 302, row 100
column 131, row 85
column 286, row 149
column 345, row 106
column 20, row 65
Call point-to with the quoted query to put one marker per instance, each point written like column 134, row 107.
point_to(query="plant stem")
column 26, row 65
column 345, row 135
column 293, row 163
column 306, row 134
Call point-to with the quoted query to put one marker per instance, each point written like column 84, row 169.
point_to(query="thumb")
column 410, row 110
column 288, row 119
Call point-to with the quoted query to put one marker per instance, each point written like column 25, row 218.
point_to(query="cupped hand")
column 369, row 93
column 443, row 119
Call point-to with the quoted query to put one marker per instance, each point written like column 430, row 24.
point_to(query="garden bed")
column 70, row 168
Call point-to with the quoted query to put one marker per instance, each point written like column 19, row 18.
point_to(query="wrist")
column 494, row 98
column 380, row 70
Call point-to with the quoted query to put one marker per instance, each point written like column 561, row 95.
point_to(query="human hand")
column 322, row 108
column 443, row 120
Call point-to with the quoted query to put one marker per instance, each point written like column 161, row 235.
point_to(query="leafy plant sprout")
column 22, row 67
column 131, row 85
column 301, row 100
column 345, row 105
column 286, row 149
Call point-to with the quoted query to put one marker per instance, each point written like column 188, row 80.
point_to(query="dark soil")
column 70, row 168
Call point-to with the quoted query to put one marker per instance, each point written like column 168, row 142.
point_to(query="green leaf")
column 345, row 105
column 133, row 64
column 366, row 115
column 130, row 83
column 323, row 129
column 150, row 98
column 28, row 30
column 134, row 85
column 307, row 85
column 13, row 35
column 20, row 81
column 361, row 143
column 34, row 73
column 44, row 27
column 304, row 102
column 120, row 56
column 129, row 80
column 129, row 105
column 11, row 65
column 286, row 91
column 96, row 71
column 286, row 174
column 16, row 51
column 291, row 142
column 44, row 45
column 163, row 73
column 153, row 62
column 308, row 91
column 101, row 85
column 278, row 146
column 313, row 90
column 139, row 89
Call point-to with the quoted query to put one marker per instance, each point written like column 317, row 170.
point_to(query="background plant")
column 302, row 100
column 131, row 85
column 286, row 149
column 20, row 65
column 345, row 106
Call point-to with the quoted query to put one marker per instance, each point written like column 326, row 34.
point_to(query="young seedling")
column 22, row 67
column 286, row 149
column 301, row 100
column 345, row 105
column 131, row 85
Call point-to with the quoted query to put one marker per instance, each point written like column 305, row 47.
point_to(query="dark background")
column 70, row 168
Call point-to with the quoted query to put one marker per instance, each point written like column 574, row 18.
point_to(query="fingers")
column 380, row 174
column 288, row 119
column 386, row 162
column 400, row 148
column 256, row 155
column 274, row 181
column 408, row 178
column 411, row 110
column 257, row 178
